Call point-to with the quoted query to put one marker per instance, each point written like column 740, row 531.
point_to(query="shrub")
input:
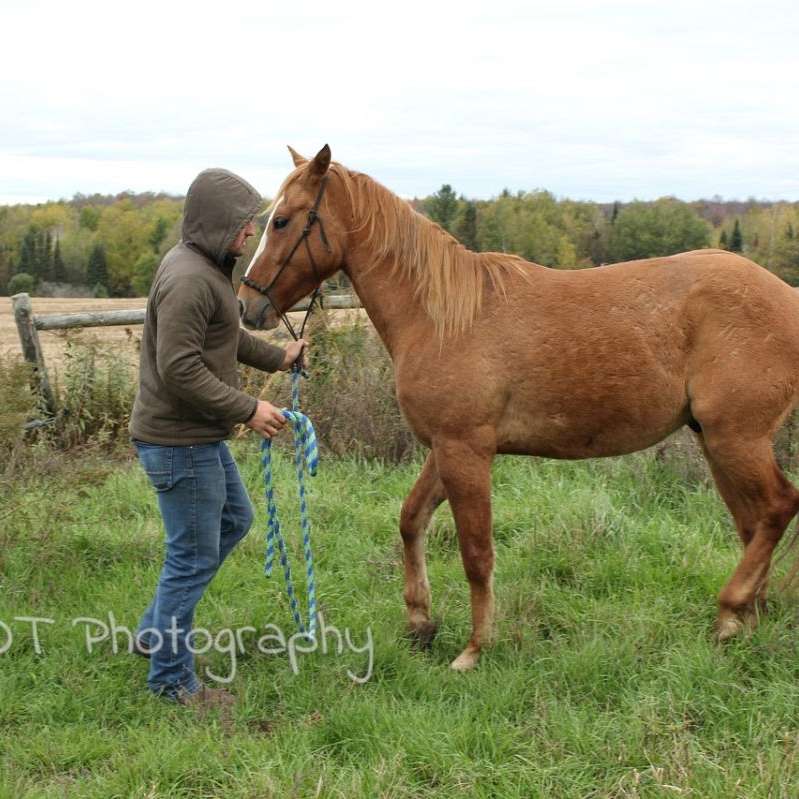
column 17, row 403
column 21, row 282
column 94, row 392
column 350, row 395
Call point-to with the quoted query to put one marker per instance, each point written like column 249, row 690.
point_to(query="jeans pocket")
column 158, row 464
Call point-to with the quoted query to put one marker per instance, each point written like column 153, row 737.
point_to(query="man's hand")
column 293, row 351
column 267, row 419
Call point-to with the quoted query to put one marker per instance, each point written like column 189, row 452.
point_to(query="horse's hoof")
column 422, row 635
column 727, row 628
column 731, row 624
column 466, row 661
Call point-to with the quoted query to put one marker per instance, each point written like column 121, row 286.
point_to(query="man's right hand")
column 267, row 419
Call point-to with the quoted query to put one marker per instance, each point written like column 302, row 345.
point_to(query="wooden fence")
column 29, row 326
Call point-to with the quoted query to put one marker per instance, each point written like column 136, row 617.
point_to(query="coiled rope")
column 306, row 461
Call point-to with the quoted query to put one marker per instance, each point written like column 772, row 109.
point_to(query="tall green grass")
column 603, row 681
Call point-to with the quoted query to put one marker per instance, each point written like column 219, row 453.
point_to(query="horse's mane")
column 449, row 280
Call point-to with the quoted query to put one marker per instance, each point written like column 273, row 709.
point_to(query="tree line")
column 568, row 234
column 112, row 245
column 108, row 246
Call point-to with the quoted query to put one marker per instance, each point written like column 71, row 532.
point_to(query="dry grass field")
column 54, row 342
column 122, row 339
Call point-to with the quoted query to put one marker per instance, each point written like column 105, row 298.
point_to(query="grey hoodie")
column 188, row 380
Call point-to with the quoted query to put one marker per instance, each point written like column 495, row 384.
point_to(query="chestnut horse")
column 494, row 355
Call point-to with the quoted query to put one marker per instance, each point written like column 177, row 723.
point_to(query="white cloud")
column 595, row 100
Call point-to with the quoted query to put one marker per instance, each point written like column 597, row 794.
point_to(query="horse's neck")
column 388, row 299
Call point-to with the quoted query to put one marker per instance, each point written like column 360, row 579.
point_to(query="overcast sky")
column 590, row 100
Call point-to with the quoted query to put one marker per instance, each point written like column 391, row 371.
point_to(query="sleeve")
column 185, row 307
column 253, row 351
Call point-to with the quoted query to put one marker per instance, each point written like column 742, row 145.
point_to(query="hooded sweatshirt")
column 188, row 379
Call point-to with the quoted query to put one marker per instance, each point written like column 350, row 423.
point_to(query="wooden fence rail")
column 29, row 326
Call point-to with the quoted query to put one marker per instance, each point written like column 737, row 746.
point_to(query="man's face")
column 237, row 247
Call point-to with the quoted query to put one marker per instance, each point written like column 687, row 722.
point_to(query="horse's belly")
column 589, row 432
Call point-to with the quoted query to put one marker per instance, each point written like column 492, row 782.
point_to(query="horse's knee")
column 478, row 562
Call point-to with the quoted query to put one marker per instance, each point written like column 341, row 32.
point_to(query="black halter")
column 313, row 217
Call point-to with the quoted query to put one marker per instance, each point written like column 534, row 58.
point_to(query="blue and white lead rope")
column 306, row 460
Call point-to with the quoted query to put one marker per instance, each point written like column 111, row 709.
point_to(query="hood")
column 218, row 205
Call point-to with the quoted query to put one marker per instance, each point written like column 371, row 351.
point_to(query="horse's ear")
column 298, row 159
column 321, row 162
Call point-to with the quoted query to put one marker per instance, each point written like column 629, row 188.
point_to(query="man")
column 187, row 404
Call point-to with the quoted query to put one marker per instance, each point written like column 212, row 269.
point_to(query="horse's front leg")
column 426, row 495
column 465, row 470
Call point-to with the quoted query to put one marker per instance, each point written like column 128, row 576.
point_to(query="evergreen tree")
column 737, row 239
column 789, row 233
column 443, row 206
column 59, row 267
column 466, row 226
column 27, row 254
column 97, row 269
column 46, row 256
column 615, row 212
column 723, row 240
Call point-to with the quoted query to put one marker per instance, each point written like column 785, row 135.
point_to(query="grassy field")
column 603, row 682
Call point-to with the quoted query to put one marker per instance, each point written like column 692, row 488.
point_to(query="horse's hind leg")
column 426, row 495
column 762, row 502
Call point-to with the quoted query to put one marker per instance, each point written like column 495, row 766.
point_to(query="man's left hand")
column 293, row 351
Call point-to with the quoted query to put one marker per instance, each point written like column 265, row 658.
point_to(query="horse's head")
column 302, row 245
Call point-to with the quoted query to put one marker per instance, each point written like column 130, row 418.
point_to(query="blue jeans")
column 206, row 512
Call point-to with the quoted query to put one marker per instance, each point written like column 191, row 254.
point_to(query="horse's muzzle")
column 258, row 314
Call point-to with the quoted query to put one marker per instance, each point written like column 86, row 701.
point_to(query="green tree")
column 97, row 268
column 46, row 257
column 723, row 240
column 442, row 206
column 737, row 239
column 784, row 261
column 143, row 272
column 89, row 217
column 160, row 229
column 648, row 230
column 566, row 254
column 27, row 253
column 465, row 229
column 59, row 267
column 21, row 282
column 124, row 232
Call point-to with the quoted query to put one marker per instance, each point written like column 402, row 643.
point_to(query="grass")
column 603, row 681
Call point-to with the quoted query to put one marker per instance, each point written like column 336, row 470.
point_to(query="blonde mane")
column 449, row 280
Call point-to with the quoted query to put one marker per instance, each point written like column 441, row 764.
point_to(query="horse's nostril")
column 241, row 308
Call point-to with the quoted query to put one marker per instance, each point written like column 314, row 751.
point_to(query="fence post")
column 31, row 348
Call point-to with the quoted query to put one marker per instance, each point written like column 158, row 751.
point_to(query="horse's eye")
column 280, row 222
